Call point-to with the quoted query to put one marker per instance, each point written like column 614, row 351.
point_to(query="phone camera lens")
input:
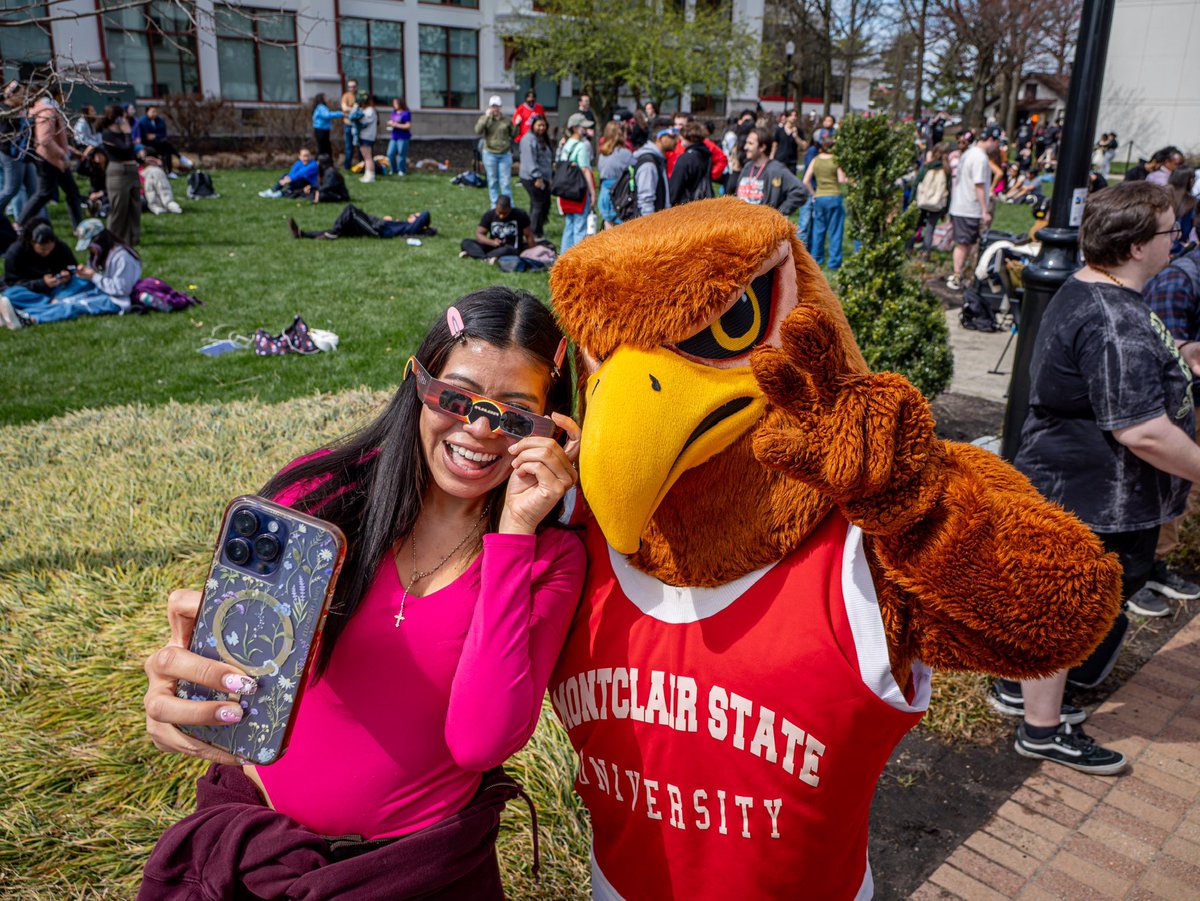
column 245, row 523
column 238, row 551
column 267, row 547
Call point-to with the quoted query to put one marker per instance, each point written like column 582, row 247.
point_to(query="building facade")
column 445, row 57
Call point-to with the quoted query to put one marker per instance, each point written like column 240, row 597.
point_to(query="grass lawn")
column 378, row 296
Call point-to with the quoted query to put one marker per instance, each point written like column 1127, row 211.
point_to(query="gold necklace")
column 1112, row 278
column 417, row 575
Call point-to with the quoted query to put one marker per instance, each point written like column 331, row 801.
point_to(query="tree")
column 899, row 324
column 855, row 24
column 655, row 50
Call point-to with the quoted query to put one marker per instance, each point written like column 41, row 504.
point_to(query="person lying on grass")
column 354, row 223
column 452, row 606
column 303, row 172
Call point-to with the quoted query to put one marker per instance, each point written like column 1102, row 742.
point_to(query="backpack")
column 624, row 192
column 200, row 186
column 155, row 295
column 976, row 315
column 933, row 191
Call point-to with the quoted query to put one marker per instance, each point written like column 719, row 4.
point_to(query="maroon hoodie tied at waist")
column 234, row 847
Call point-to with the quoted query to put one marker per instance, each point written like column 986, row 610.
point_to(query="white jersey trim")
column 602, row 889
column 677, row 604
column 870, row 639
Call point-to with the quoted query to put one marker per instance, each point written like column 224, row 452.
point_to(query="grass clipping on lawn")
column 103, row 513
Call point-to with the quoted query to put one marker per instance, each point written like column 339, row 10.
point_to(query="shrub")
column 899, row 324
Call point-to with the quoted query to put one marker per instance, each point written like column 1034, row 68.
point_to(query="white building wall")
column 1150, row 97
column 76, row 36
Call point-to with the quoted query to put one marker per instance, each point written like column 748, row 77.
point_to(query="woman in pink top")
column 455, row 598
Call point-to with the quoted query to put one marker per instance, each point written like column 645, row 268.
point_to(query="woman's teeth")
column 473, row 455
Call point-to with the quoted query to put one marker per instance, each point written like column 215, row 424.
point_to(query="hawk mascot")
column 781, row 551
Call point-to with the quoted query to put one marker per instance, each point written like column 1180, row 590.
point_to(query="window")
column 449, row 67
column 373, row 55
column 152, row 45
column 470, row 4
column 25, row 44
column 545, row 88
column 251, row 44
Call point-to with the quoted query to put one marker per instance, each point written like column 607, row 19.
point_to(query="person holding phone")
column 454, row 600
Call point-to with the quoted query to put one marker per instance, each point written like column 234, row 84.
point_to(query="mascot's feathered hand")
column 866, row 441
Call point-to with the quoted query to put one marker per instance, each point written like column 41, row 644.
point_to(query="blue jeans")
column 75, row 298
column 574, row 230
column 829, row 221
column 350, row 133
column 804, row 224
column 498, row 167
column 20, row 181
column 397, row 154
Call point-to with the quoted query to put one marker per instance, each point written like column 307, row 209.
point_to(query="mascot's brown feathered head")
column 667, row 311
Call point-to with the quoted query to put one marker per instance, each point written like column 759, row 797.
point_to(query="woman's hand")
column 85, row 272
column 542, row 473
column 167, row 665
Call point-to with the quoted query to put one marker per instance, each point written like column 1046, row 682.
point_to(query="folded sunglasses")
column 442, row 397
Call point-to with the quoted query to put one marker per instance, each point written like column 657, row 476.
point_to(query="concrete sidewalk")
column 1064, row 834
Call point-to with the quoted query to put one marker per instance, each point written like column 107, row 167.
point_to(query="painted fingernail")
column 242, row 685
column 230, row 714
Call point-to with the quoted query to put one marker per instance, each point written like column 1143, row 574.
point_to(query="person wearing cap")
column 650, row 168
column 497, row 133
column 578, row 150
column 969, row 200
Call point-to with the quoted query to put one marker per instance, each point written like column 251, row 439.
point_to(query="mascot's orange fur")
column 776, row 520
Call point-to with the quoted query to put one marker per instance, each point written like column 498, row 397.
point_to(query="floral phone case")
column 265, row 602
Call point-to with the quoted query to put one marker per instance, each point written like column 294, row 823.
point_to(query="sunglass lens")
column 517, row 425
column 453, row 402
column 482, row 410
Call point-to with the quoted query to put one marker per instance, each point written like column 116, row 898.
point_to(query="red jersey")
column 523, row 118
column 730, row 739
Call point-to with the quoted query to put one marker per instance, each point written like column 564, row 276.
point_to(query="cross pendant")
column 399, row 618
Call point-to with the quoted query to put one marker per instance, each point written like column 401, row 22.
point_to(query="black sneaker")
column 1072, row 748
column 1169, row 583
column 1003, row 700
column 1146, row 603
column 293, row 227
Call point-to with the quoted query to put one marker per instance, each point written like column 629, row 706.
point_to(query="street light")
column 789, row 48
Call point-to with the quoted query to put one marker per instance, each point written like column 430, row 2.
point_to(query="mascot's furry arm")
column 975, row 571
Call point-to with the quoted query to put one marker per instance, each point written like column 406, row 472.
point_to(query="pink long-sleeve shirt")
column 397, row 733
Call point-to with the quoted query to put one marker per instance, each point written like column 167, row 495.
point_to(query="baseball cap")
column 494, row 100
column 577, row 120
column 87, row 232
column 993, row 132
column 664, row 131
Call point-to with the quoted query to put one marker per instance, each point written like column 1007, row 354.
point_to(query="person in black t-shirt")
column 503, row 231
column 1109, row 435
column 787, row 142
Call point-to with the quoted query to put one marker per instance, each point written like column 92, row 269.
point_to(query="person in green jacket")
column 497, row 131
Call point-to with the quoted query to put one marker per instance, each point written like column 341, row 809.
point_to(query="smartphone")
column 265, row 601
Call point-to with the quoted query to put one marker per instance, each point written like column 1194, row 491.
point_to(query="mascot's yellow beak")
column 651, row 416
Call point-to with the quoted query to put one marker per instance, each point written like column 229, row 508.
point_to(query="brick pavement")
column 1064, row 834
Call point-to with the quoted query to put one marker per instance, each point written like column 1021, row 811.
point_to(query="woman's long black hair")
column 102, row 246
column 371, row 483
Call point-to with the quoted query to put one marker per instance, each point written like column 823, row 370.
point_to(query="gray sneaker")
column 8, row 316
column 1070, row 747
column 1167, row 582
column 1145, row 602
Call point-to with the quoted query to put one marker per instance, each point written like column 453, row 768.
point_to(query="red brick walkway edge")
column 1064, row 834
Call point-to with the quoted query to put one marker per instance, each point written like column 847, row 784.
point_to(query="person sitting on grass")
column 331, row 185
column 503, row 231
column 303, row 172
column 45, row 285
column 354, row 223
column 156, row 189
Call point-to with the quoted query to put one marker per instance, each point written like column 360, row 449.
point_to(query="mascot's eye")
column 742, row 326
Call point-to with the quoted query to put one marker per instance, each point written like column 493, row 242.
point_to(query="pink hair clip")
column 559, row 356
column 455, row 321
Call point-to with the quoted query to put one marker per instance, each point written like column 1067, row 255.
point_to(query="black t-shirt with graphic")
column 1103, row 361
column 510, row 231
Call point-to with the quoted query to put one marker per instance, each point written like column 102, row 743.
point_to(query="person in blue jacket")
column 151, row 133
column 322, row 123
column 304, row 172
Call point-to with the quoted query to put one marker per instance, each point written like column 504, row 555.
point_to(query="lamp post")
column 1059, row 257
column 789, row 48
